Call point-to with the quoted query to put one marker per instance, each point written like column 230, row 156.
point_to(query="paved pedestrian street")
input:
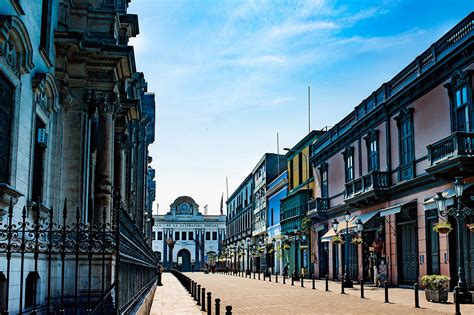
column 172, row 298
column 249, row 296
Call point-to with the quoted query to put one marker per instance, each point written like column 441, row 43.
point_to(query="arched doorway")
column 184, row 260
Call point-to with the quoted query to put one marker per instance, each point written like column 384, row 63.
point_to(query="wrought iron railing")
column 370, row 181
column 457, row 144
column 59, row 264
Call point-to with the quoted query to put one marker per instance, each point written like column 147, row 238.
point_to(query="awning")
column 394, row 209
column 449, row 194
column 341, row 227
column 367, row 216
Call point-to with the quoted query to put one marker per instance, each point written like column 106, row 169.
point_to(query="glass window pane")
column 458, row 98
column 464, row 95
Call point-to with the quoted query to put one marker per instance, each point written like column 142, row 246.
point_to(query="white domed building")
column 184, row 236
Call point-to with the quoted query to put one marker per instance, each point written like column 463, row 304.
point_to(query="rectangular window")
column 176, row 236
column 38, row 164
column 46, row 25
column 160, row 236
column 291, row 175
column 271, row 221
column 153, row 236
column 214, row 236
column 406, row 141
column 373, row 155
column 463, row 119
column 191, row 236
column 300, row 168
column 349, row 167
column 208, row 236
column 184, row 236
column 324, row 183
column 6, row 117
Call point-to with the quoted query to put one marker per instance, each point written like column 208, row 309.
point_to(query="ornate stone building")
column 76, row 121
column 184, row 236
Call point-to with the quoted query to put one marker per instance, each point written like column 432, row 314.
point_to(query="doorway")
column 407, row 246
column 184, row 260
column 335, row 262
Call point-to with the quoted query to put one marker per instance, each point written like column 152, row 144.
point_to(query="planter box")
column 436, row 295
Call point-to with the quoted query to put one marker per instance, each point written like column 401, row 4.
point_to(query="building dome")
column 184, row 199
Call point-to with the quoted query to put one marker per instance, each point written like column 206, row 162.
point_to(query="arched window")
column 32, row 289
column 6, row 117
column 3, row 292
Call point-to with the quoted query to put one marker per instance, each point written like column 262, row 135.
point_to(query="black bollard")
column 218, row 307
column 342, row 285
column 314, row 282
column 264, row 276
column 327, row 282
column 190, row 288
column 292, row 279
column 228, row 310
column 209, row 303
column 259, row 275
column 386, row 292
column 254, row 274
column 362, row 289
column 284, row 279
column 203, row 297
column 276, row 278
column 194, row 290
column 159, row 279
column 269, row 277
column 302, row 283
column 457, row 304
column 416, row 286
column 199, row 295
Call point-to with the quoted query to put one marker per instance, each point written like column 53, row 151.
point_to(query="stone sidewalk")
column 173, row 299
column 249, row 296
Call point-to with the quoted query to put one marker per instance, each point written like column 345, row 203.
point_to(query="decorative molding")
column 106, row 102
column 17, row 6
column 16, row 46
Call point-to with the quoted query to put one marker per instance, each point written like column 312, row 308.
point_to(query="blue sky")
column 229, row 75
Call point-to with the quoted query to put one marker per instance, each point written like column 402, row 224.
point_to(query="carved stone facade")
column 76, row 121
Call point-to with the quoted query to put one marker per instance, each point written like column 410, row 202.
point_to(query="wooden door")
column 432, row 247
column 407, row 253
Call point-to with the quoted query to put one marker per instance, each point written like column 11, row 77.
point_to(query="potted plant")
column 337, row 240
column 357, row 240
column 286, row 246
column 436, row 287
column 303, row 246
column 470, row 227
column 443, row 227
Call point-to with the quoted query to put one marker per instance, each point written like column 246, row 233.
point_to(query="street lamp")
column 295, row 233
column 247, row 270
column 347, row 277
column 459, row 213
column 273, row 255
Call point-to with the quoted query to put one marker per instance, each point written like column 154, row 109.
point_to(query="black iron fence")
column 55, row 263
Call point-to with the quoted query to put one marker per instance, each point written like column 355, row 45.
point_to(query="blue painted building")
column 276, row 190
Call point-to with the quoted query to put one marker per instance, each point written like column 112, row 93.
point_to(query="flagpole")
column 278, row 152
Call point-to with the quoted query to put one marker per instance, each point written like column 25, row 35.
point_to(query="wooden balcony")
column 318, row 207
column 369, row 188
column 452, row 156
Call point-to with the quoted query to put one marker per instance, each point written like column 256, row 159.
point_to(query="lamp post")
column 347, row 217
column 247, row 270
column 295, row 233
column 460, row 212
column 273, row 255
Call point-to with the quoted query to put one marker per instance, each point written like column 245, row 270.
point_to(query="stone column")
column 119, row 165
column 106, row 104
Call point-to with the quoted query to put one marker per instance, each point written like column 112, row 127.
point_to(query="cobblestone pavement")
column 172, row 298
column 249, row 296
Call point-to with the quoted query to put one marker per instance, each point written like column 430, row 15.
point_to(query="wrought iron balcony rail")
column 69, row 266
column 457, row 144
column 371, row 181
